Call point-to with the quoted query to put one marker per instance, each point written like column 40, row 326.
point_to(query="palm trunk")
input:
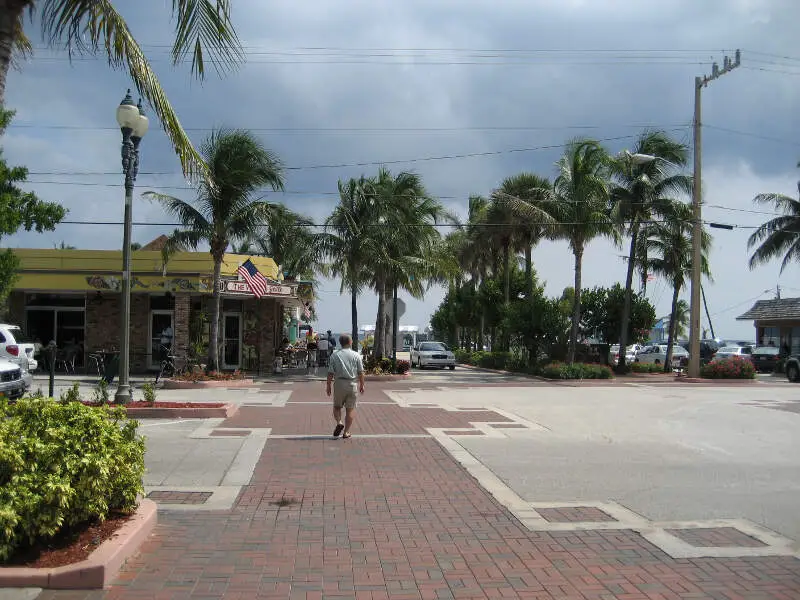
column 354, row 316
column 10, row 13
column 507, row 273
column 529, row 270
column 626, row 305
column 377, row 345
column 576, row 305
column 672, row 326
column 213, row 346
column 388, row 323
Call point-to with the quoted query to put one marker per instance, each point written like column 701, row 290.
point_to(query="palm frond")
column 22, row 49
column 88, row 26
column 203, row 27
column 187, row 214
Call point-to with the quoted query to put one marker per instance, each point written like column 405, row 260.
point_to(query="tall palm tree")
column 526, row 195
column 225, row 209
column 580, row 198
column 344, row 242
column 203, row 29
column 641, row 192
column 778, row 236
column 681, row 319
column 669, row 248
column 402, row 207
column 289, row 239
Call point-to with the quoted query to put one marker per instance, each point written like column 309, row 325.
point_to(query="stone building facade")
column 72, row 297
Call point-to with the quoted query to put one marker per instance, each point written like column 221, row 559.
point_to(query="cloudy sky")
column 356, row 81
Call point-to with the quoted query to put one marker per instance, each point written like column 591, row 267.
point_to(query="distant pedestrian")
column 345, row 381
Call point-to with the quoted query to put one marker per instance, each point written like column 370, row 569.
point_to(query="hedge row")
column 63, row 464
column 734, row 367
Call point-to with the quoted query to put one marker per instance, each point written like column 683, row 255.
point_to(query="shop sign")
column 241, row 287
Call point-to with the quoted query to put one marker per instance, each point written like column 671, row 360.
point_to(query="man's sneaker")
column 338, row 430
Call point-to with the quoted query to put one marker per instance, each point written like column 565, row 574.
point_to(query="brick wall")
column 102, row 322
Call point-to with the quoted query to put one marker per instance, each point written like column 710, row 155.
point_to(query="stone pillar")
column 182, row 317
column 266, row 333
column 140, row 332
column 16, row 309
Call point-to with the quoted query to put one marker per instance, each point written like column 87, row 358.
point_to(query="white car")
column 657, row 355
column 432, row 354
column 630, row 353
column 729, row 351
column 16, row 347
column 13, row 381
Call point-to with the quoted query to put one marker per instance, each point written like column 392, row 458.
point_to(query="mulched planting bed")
column 70, row 546
column 136, row 405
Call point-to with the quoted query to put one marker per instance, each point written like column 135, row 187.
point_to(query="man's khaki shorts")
column 345, row 393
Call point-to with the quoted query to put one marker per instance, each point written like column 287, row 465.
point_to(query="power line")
column 750, row 134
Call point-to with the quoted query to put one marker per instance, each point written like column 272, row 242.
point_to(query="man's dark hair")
column 345, row 340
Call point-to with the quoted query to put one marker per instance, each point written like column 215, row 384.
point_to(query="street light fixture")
column 133, row 124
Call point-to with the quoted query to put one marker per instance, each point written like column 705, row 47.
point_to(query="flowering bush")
column 734, row 367
column 402, row 367
column 559, row 370
column 210, row 376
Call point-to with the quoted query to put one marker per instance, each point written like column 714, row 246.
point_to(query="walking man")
column 346, row 381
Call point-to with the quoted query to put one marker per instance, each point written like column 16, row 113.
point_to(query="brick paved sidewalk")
column 379, row 518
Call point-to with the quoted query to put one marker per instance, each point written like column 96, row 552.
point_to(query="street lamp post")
column 133, row 124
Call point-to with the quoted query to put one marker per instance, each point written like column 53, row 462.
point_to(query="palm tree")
column 525, row 194
column 225, row 209
column 287, row 238
column 203, row 29
column 644, row 191
column 344, row 242
column 778, row 236
column 681, row 319
column 669, row 244
column 580, row 197
column 402, row 207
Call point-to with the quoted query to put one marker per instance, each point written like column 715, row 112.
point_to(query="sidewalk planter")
column 388, row 377
column 177, row 384
column 102, row 565
column 182, row 410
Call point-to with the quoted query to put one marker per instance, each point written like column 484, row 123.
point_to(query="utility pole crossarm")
column 728, row 65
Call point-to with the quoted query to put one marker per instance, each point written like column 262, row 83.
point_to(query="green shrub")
column 559, row 370
column 734, row 367
column 149, row 392
column 73, row 394
column 463, row 356
column 517, row 364
column 101, row 393
column 494, row 360
column 646, row 368
column 61, row 465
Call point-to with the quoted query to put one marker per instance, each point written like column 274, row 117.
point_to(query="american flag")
column 256, row 281
column 306, row 311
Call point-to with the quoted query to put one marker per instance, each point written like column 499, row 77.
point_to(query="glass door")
column 160, row 337
column 231, row 340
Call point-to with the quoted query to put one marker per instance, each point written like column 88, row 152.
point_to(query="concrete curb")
column 102, row 565
column 155, row 412
column 387, row 377
column 172, row 384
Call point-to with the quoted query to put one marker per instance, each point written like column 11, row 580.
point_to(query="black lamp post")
column 133, row 124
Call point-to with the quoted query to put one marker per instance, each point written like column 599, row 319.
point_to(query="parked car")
column 630, row 353
column 729, row 351
column 13, row 383
column 792, row 369
column 766, row 359
column 708, row 348
column 432, row 354
column 657, row 355
column 16, row 347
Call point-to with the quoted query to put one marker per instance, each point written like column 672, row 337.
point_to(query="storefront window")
column 770, row 336
column 58, row 318
column 794, row 341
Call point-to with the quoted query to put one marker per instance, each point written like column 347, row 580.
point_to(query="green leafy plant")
column 149, row 393
column 100, row 395
column 62, row 465
column 645, row 368
column 73, row 394
column 734, row 367
column 558, row 370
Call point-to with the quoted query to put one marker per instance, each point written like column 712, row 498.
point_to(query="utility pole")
column 778, row 292
column 697, row 225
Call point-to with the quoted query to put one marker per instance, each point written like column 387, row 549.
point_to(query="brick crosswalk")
column 398, row 518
